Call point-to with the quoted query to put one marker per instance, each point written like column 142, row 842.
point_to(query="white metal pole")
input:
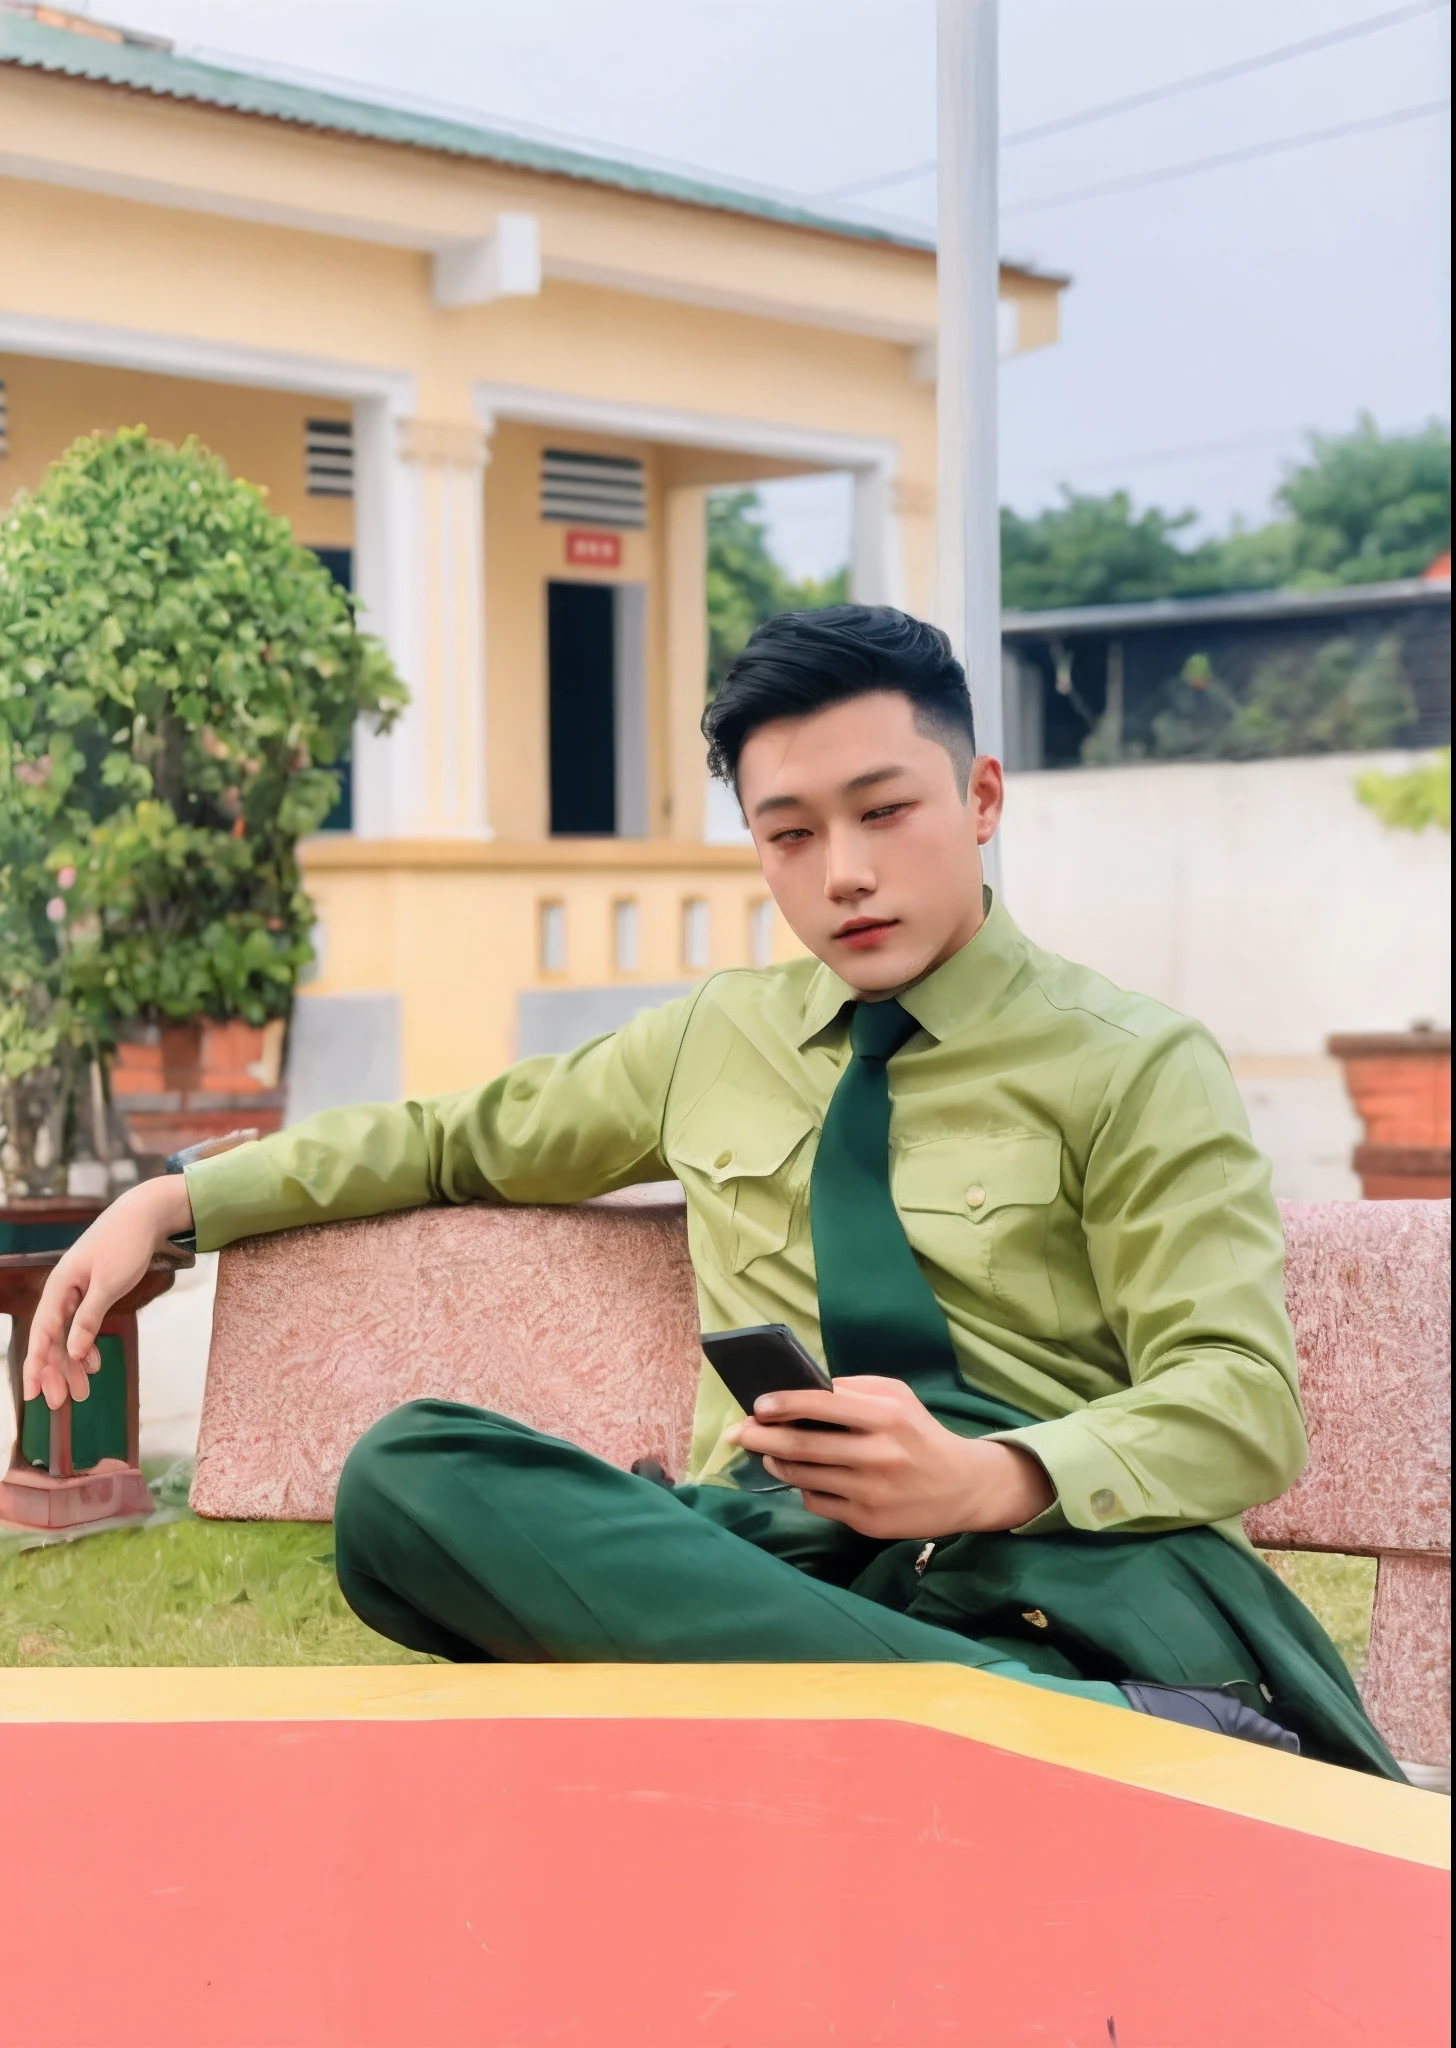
column 968, row 269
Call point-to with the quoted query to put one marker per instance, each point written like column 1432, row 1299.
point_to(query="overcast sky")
column 1212, row 319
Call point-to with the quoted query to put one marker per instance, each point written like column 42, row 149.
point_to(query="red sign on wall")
column 594, row 550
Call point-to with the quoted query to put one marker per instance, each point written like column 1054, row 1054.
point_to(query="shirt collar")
column 959, row 992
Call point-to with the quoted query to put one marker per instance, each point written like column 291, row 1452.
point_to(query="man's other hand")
column 891, row 1470
column 90, row 1279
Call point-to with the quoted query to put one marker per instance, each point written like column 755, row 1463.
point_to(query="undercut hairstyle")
column 801, row 662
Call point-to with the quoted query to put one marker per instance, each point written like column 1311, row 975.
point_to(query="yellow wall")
column 646, row 303
column 456, row 930
column 258, row 434
column 156, row 269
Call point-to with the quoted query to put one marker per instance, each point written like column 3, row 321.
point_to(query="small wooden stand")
column 60, row 1497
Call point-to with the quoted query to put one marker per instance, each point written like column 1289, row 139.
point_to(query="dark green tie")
column 877, row 1311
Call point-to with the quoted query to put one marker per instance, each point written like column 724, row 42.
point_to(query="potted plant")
column 178, row 678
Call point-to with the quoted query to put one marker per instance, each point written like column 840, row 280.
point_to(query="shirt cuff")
column 232, row 1195
column 1094, row 1489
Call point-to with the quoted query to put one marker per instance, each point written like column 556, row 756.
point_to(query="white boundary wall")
column 1260, row 897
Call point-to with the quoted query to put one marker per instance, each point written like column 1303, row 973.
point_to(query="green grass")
column 185, row 1592
column 192, row 1592
column 1340, row 1591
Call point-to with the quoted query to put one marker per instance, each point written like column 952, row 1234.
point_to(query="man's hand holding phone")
column 890, row 1469
column 90, row 1278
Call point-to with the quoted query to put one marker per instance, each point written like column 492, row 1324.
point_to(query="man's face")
column 871, row 852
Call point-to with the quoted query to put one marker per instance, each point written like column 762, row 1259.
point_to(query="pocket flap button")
column 976, row 1196
column 723, row 1159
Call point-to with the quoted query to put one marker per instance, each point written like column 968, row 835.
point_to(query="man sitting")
column 1015, row 1209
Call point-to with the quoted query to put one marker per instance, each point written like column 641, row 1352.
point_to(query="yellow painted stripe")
column 1238, row 1778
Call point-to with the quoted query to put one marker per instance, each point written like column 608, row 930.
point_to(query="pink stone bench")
column 583, row 1322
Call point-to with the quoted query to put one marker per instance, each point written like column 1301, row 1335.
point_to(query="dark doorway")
column 340, row 564
column 581, row 665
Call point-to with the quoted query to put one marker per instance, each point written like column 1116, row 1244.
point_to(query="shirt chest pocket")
column 745, row 1171
column 981, row 1207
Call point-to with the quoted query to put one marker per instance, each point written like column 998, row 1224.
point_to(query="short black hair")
column 800, row 662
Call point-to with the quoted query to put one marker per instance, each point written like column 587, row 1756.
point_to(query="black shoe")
column 1204, row 1706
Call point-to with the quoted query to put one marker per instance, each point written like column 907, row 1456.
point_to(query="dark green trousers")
column 471, row 1537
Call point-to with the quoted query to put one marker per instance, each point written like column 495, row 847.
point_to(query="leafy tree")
column 1089, row 550
column 1411, row 802
column 1336, row 699
column 1363, row 507
column 1368, row 507
column 1199, row 714
column 177, row 678
column 1246, row 558
column 745, row 583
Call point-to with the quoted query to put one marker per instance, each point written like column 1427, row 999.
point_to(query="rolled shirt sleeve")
column 1187, row 1252
column 546, row 1130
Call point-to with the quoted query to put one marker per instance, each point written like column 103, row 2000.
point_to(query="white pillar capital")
column 456, row 444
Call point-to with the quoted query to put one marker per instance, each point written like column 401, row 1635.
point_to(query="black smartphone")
column 766, row 1359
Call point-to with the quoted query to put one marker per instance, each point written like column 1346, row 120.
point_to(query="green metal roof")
column 144, row 68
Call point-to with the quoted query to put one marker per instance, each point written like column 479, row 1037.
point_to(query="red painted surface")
column 650, row 1884
column 594, row 550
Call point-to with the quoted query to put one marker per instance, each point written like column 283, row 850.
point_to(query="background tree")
column 1363, row 507
column 1089, row 550
column 746, row 585
column 1369, row 507
column 177, row 679
column 1414, row 800
column 1338, row 698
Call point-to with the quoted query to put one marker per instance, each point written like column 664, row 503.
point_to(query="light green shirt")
column 1072, row 1165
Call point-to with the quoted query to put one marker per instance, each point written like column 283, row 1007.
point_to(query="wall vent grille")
column 329, row 458
column 592, row 490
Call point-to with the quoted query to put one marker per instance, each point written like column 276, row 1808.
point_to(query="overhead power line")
column 1148, row 458
column 1278, row 147
column 1286, row 53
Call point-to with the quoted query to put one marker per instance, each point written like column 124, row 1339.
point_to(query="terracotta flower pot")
column 176, row 1084
column 1400, row 1084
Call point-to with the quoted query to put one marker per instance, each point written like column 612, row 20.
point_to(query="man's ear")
column 986, row 793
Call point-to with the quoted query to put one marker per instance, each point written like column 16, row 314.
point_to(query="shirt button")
column 1104, row 1503
column 724, row 1159
column 976, row 1197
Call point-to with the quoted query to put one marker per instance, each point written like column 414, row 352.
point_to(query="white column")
column 876, row 568
column 447, row 792
column 686, row 520
column 969, row 551
column 384, row 495
column 420, row 575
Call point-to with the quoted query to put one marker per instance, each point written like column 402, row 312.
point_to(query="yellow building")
column 492, row 382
